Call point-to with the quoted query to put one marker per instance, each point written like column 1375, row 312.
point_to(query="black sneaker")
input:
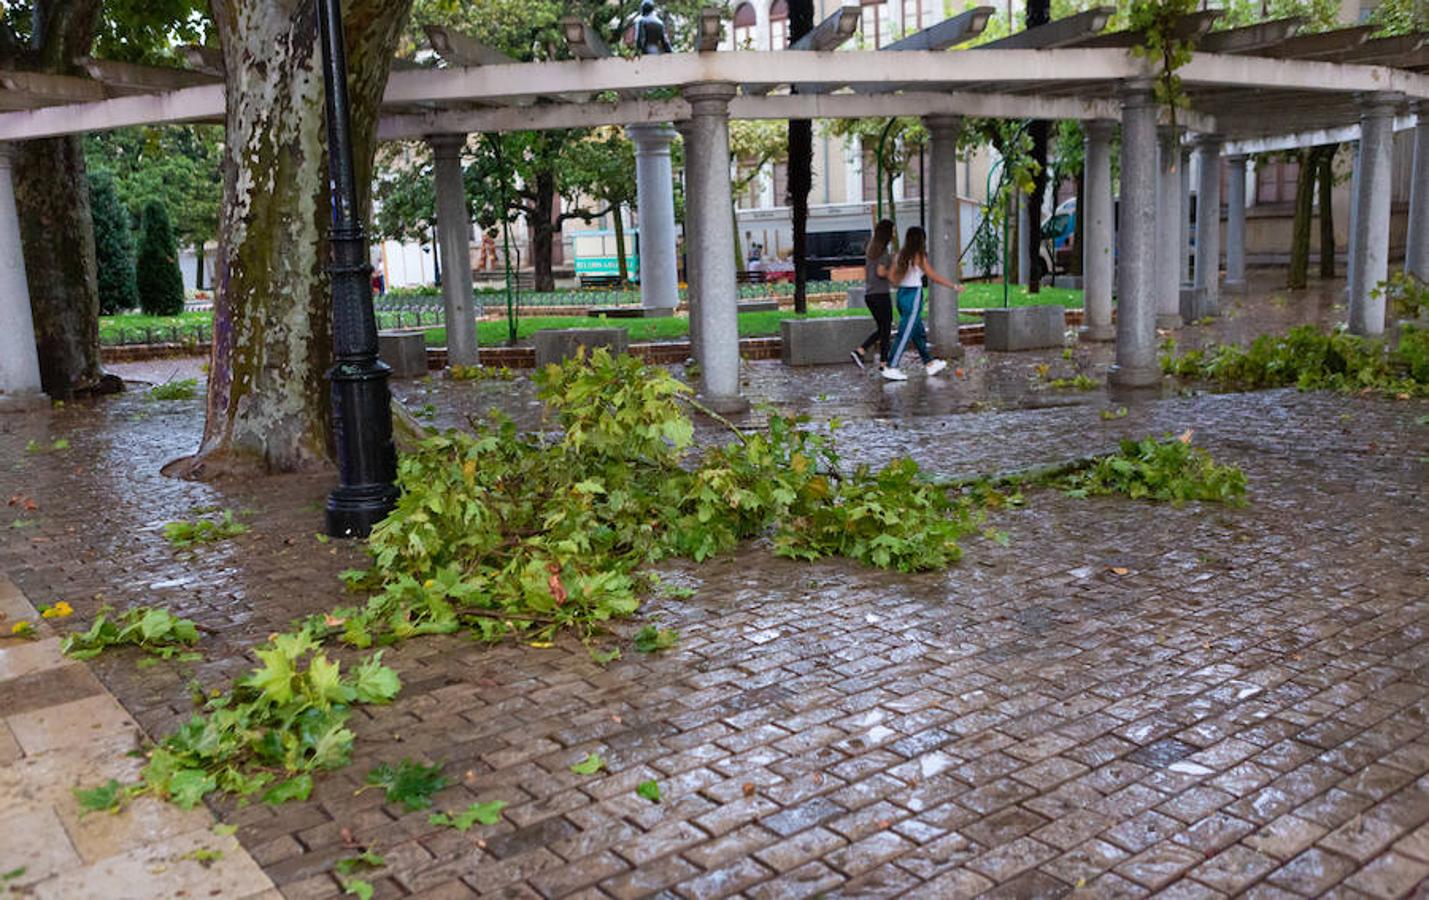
column 858, row 360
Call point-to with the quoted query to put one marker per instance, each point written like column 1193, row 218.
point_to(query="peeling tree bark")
column 268, row 396
column 52, row 200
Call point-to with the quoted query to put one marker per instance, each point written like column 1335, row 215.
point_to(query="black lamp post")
column 361, row 403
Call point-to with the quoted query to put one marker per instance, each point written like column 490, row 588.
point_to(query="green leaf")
column 409, row 783
column 652, row 640
column 475, row 814
column 275, row 679
column 374, row 682
column 222, row 830
column 187, row 787
column 298, row 788
column 605, row 657
column 589, row 766
column 650, row 790
column 357, row 888
column 325, row 682
column 13, row 873
column 105, row 798
column 364, row 860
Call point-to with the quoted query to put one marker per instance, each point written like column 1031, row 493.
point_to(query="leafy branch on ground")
column 475, row 814
column 1171, row 470
column 203, row 530
column 182, row 389
column 153, row 630
column 409, row 783
column 1311, row 359
column 1406, row 296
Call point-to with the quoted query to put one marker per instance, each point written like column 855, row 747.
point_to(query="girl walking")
column 876, row 294
column 908, row 271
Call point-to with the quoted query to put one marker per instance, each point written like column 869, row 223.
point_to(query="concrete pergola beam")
column 1061, row 33
column 1251, row 37
column 782, row 106
column 54, row 88
column 1189, row 27
column 204, row 59
column 948, row 33
column 832, row 32
column 1326, row 43
column 458, row 49
column 584, row 41
column 143, row 79
column 1301, row 139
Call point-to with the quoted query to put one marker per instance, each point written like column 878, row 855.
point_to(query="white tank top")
column 913, row 277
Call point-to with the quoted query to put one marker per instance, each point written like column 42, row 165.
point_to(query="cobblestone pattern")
column 1128, row 699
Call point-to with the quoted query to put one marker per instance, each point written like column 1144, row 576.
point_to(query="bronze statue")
column 650, row 31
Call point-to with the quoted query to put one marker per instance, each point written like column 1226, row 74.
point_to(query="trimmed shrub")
column 113, row 246
column 161, row 286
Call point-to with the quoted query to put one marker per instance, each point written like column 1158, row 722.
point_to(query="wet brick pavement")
column 1244, row 710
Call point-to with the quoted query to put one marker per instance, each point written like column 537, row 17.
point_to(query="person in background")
column 878, row 259
column 908, row 271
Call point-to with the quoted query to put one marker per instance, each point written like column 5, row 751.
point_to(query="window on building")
column 876, row 26
column 779, row 25
column 910, row 177
column 745, row 20
column 916, row 15
column 1275, row 182
column 781, row 184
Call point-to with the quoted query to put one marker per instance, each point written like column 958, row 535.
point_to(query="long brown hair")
column 915, row 245
column 882, row 237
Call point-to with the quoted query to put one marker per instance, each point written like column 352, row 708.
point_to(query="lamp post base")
column 353, row 510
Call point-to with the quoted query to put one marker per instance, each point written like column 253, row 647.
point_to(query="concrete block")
column 556, row 344
column 404, row 351
column 770, row 304
column 821, row 342
column 1072, row 282
column 1195, row 305
column 1024, row 328
column 855, row 298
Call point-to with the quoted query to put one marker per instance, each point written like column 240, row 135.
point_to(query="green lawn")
column 133, row 328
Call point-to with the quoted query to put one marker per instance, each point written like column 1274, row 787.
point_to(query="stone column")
column 1097, row 234
column 692, row 257
column 1136, row 364
column 707, row 161
column 944, row 237
column 1416, row 253
column 19, row 361
column 1235, row 223
column 1185, row 257
column 454, row 241
column 1371, row 249
column 655, row 191
column 1352, row 249
column 1208, row 228
column 1169, row 216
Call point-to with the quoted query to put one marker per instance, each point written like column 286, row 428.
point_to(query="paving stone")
column 1285, row 837
column 1312, row 872
column 1362, row 837
column 1234, row 868
column 1006, row 862
column 1159, row 865
column 728, row 881
column 1390, row 875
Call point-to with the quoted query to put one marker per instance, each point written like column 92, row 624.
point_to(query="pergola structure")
column 1254, row 88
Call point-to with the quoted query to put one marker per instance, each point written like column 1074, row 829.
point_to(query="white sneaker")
column 858, row 359
column 936, row 366
column 893, row 374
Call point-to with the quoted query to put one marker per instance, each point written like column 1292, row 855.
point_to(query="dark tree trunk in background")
column 56, row 231
column 1080, row 232
column 198, row 267
column 620, row 244
column 801, row 166
column 268, row 394
column 1327, row 212
column 1039, row 12
column 543, row 232
column 1300, row 233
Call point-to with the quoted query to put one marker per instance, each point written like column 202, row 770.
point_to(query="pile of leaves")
column 1170, row 470
column 278, row 726
column 504, row 533
column 203, row 531
column 182, row 389
column 153, row 630
column 1311, row 359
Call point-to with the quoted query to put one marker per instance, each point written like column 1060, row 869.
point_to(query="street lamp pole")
column 362, row 414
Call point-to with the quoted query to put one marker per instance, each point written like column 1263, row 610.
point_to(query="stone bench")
column 556, row 344
column 404, row 351
column 1024, row 328
column 822, row 342
column 629, row 311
